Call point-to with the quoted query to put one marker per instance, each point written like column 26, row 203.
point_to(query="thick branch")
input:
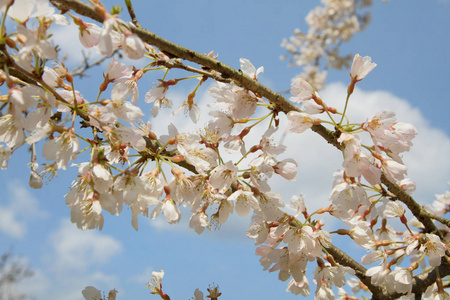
column 418, row 211
column 342, row 258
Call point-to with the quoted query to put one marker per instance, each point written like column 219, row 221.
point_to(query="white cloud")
column 21, row 209
column 74, row 260
column 78, row 250
column 143, row 277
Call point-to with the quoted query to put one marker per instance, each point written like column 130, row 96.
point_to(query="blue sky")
column 408, row 40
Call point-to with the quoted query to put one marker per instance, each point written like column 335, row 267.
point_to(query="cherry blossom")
column 5, row 155
column 223, row 176
column 435, row 249
column 361, row 67
column 301, row 90
column 300, row 122
column 248, row 69
column 132, row 46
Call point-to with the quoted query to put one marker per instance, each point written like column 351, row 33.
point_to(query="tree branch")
column 418, row 211
column 422, row 281
column 132, row 14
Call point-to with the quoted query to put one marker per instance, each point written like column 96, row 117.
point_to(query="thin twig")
column 85, row 65
column 130, row 9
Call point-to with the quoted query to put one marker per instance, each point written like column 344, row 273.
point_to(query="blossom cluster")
column 227, row 165
column 329, row 25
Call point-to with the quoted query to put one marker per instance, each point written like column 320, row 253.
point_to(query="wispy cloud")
column 75, row 259
column 21, row 208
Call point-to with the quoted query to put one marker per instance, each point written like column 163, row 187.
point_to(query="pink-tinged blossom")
column 203, row 159
column 298, row 205
column 132, row 136
column 346, row 199
column 378, row 275
column 384, row 129
column 441, row 205
column 117, row 70
column 300, row 122
column 408, row 185
column 362, row 234
column 386, row 233
column 35, row 181
column 156, row 285
column 109, row 40
column 185, row 189
column 267, row 144
column 434, row 293
column 21, row 10
column 169, row 209
column 236, row 102
column 132, row 46
column 412, row 242
column 393, row 170
column 235, row 144
column 51, row 77
column 311, row 107
column 243, row 105
column 390, row 209
column 5, row 155
column 157, row 96
column 399, row 280
column 332, row 275
column 191, row 108
column 33, row 43
column 99, row 115
column 223, row 176
column 221, row 123
column 261, row 170
column 101, row 178
column 374, row 256
column 21, row 101
column 125, row 88
column 68, row 96
column 152, row 184
column 299, row 287
column 361, row 67
column 89, row 34
column 87, row 214
column 404, row 133
column 91, row 293
column 356, row 163
column 248, row 69
column 226, row 208
column 303, row 241
column 11, row 131
column 61, row 149
column 199, row 221
column 244, row 201
column 301, row 90
column 434, row 248
column 123, row 110
column 259, row 229
column 39, row 133
column 287, row 168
